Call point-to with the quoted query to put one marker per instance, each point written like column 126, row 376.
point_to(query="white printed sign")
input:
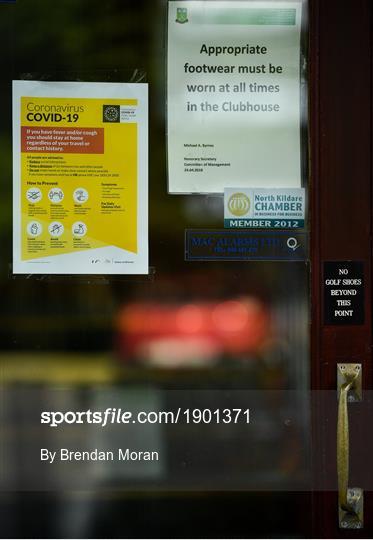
column 233, row 95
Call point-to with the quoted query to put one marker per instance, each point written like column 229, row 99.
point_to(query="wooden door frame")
column 340, row 84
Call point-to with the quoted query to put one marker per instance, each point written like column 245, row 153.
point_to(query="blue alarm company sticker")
column 229, row 245
column 254, row 208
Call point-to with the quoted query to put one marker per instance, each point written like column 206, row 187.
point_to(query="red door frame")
column 341, row 224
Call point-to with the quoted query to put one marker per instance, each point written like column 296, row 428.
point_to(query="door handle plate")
column 353, row 520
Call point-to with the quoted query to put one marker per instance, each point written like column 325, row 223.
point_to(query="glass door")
column 211, row 359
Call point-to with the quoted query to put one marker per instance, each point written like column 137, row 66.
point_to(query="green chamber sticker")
column 264, row 208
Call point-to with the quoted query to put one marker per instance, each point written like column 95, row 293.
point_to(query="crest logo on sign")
column 239, row 204
column 181, row 15
column 111, row 113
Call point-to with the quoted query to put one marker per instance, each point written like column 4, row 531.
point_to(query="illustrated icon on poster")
column 56, row 195
column 34, row 195
column 80, row 195
column 56, row 229
column 79, row 229
column 34, row 228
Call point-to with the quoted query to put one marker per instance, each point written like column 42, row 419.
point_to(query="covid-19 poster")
column 80, row 178
column 233, row 87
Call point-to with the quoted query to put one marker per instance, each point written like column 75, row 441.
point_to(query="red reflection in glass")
column 173, row 334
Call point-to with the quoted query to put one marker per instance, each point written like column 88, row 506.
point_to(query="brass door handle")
column 350, row 500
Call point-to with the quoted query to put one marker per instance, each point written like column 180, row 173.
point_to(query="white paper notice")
column 80, row 176
column 233, row 95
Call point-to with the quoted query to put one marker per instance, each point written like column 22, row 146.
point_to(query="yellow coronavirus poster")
column 80, row 178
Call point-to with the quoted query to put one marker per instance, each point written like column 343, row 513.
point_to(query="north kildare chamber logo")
column 111, row 113
column 239, row 204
